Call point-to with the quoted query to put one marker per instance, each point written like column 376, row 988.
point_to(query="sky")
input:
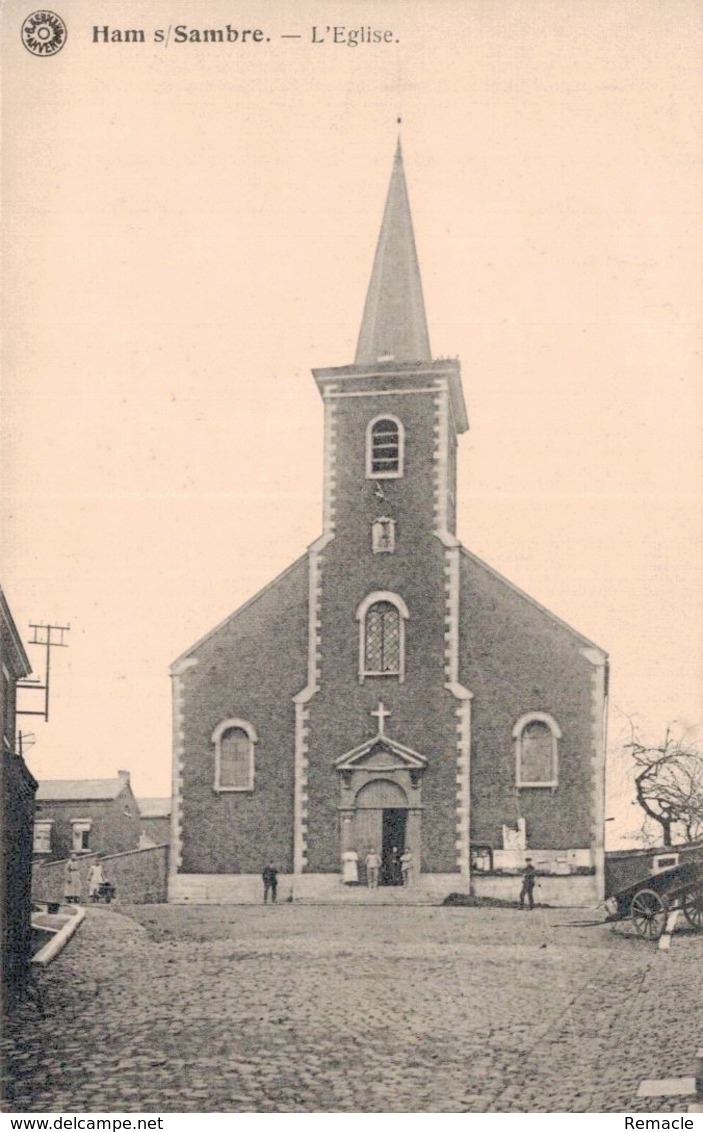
column 189, row 229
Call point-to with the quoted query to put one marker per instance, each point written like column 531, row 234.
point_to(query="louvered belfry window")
column 382, row 648
column 385, row 447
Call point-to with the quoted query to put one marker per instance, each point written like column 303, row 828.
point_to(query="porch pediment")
column 381, row 754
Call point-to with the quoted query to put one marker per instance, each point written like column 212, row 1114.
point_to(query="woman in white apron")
column 350, row 867
column 72, row 881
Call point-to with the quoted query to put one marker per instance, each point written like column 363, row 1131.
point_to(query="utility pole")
column 25, row 740
column 51, row 637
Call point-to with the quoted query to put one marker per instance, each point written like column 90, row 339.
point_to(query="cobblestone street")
column 291, row 1008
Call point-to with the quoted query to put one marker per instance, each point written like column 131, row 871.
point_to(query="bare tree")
column 669, row 786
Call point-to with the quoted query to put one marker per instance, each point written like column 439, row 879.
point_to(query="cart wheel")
column 648, row 912
column 692, row 906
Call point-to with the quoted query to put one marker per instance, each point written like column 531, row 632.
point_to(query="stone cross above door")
column 381, row 714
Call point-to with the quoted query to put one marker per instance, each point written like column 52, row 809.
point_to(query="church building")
column 389, row 692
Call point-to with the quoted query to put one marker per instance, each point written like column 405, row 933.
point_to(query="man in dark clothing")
column 528, row 885
column 270, row 879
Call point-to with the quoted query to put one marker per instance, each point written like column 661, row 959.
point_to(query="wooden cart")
column 649, row 902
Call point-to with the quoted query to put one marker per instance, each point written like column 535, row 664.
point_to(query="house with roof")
column 154, row 821
column 389, row 691
column 89, row 815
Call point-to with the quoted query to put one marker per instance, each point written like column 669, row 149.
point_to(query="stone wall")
column 138, row 875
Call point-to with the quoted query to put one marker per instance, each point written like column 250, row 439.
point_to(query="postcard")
column 352, row 490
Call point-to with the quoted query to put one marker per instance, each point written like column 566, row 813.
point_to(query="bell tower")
column 393, row 387
column 383, row 589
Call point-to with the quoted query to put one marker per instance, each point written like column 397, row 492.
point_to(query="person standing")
column 96, row 878
column 270, row 879
column 72, row 881
column 406, row 867
column 373, row 864
column 350, row 867
column 396, row 876
column 528, row 885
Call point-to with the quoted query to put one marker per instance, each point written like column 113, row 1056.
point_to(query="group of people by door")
column 397, row 869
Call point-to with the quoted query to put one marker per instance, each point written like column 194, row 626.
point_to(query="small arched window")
column 537, row 738
column 384, row 448
column 234, row 741
column 382, row 636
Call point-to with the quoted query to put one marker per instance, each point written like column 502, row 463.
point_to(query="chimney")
column 124, row 775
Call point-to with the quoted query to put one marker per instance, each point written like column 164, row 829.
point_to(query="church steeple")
column 394, row 326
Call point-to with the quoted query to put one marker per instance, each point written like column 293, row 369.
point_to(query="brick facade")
column 516, row 658
column 114, row 828
column 250, row 668
column 511, row 657
column 18, row 790
column 421, row 709
column 478, row 654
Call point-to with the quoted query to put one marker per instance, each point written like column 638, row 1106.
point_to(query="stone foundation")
column 327, row 888
column 557, row 891
column 308, row 888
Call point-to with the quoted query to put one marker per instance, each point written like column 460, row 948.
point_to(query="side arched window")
column 384, row 448
column 235, row 742
column 537, row 738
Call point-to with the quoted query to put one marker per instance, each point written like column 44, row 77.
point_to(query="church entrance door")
column 381, row 820
column 392, row 845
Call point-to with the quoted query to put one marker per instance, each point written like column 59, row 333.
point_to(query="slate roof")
column 80, row 789
column 394, row 325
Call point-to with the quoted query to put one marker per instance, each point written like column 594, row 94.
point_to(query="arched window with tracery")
column 382, row 636
column 385, row 439
column 235, row 741
column 537, row 737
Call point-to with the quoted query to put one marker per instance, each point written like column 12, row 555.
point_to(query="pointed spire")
column 394, row 326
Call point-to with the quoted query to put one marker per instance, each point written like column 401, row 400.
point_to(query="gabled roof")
column 394, row 324
column 188, row 653
column 154, row 807
column 378, row 746
column 537, row 605
column 80, row 789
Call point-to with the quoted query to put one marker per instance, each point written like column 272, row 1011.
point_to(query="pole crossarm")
column 49, row 637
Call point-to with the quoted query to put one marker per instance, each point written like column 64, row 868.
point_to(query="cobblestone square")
column 361, row 1009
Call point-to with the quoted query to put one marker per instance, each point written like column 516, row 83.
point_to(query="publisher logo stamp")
column 44, row 33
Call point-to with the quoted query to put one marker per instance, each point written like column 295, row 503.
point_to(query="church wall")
column 422, row 711
column 249, row 669
column 516, row 659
